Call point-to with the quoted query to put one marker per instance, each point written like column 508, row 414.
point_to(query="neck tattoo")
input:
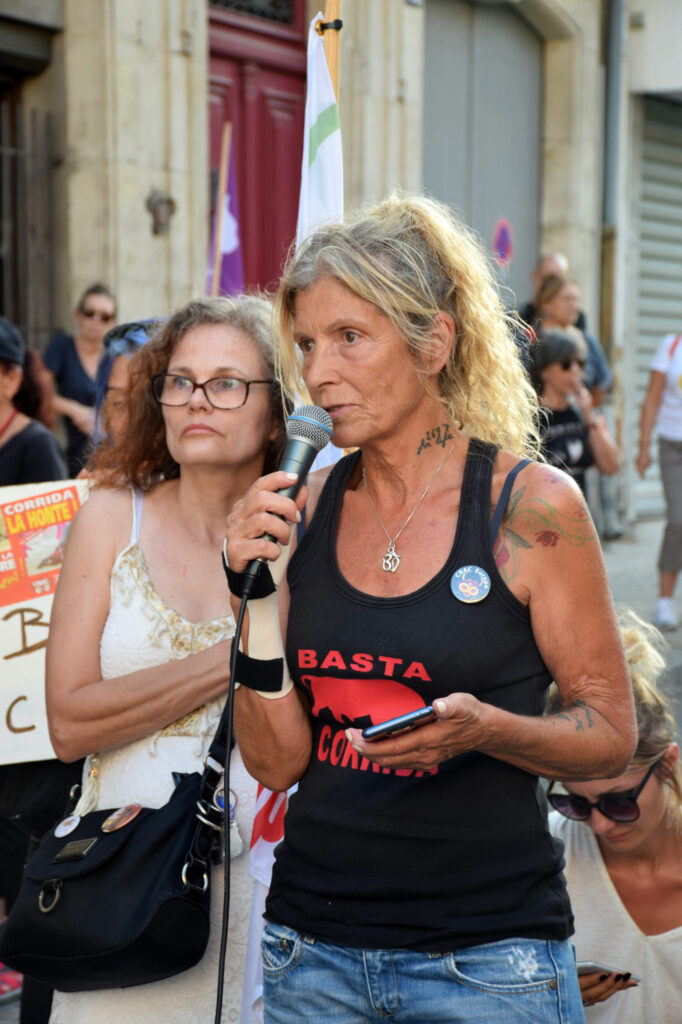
column 391, row 560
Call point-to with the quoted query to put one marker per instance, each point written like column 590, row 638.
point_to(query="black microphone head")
column 311, row 424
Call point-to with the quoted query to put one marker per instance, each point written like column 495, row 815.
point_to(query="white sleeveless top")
column 605, row 932
column 141, row 631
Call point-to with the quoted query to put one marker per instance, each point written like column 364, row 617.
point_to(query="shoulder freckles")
column 552, row 485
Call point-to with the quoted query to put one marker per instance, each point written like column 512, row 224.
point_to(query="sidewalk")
column 631, row 568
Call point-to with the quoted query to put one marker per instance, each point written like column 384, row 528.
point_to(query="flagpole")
column 331, row 43
column 226, row 142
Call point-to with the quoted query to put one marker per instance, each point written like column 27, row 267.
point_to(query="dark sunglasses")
column 104, row 317
column 566, row 364
column 616, row 806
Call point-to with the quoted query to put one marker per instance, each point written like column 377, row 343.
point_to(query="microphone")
column 309, row 429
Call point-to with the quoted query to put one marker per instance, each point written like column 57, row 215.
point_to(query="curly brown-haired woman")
column 137, row 664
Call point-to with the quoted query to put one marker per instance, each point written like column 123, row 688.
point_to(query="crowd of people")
column 421, row 876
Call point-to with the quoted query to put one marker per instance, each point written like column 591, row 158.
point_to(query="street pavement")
column 631, row 569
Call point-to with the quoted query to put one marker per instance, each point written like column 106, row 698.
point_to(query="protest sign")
column 34, row 522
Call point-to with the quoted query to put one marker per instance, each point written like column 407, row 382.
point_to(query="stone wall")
column 128, row 90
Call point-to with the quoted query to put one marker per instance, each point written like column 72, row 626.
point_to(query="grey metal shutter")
column 658, row 303
column 482, row 123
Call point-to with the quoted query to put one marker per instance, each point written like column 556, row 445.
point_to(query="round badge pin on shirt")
column 67, row 826
column 123, row 816
column 470, row 584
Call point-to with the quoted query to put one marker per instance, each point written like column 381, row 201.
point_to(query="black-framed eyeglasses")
column 616, row 806
column 566, row 364
column 174, row 389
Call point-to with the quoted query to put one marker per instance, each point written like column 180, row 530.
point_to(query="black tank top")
column 382, row 859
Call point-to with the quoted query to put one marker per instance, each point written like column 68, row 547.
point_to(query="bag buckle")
column 51, row 887
column 189, row 865
column 204, row 814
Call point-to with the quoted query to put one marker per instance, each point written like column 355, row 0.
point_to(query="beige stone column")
column 571, row 179
column 135, row 85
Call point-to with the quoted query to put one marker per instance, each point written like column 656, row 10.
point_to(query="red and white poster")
column 34, row 522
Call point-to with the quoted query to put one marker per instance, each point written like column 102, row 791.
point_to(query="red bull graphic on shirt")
column 353, row 700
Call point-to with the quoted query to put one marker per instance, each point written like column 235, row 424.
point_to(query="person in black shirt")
column 574, row 437
column 32, row 794
column 29, row 452
column 439, row 568
column 72, row 361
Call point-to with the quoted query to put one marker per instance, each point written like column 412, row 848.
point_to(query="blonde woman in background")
column 418, row 871
column 623, row 839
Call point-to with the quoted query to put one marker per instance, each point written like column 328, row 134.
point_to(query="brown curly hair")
column 141, row 458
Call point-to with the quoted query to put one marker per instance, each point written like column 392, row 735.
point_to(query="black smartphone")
column 403, row 723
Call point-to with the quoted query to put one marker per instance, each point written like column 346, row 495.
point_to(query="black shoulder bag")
column 110, row 909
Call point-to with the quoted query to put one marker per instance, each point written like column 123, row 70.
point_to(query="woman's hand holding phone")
column 599, row 981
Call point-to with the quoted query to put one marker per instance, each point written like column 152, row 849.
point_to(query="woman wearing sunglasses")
column 72, row 361
column 574, row 436
column 138, row 654
column 623, row 840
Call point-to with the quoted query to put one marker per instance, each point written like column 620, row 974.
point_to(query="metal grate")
column 27, row 211
column 274, row 10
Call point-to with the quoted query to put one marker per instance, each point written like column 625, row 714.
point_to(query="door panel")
column 257, row 81
column 482, row 123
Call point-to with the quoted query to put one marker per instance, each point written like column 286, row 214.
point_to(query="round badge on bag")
column 470, row 584
column 120, row 818
column 67, row 826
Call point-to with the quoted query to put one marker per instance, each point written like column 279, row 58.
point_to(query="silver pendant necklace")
column 391, row 560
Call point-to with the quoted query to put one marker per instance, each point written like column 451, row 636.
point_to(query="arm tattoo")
column 547, row 525
column 579, row 714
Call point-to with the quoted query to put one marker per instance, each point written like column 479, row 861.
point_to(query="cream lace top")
column 141, row 631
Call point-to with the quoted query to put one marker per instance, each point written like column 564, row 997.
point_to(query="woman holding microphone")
column 417, row 878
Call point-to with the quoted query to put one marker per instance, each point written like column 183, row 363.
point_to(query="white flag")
column 321, row 200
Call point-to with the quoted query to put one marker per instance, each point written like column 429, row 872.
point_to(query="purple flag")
column 230, row 253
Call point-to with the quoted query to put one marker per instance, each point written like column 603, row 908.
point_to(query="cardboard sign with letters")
column 34, row 522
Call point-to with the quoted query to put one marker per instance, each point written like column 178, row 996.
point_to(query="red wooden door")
column 257, row 74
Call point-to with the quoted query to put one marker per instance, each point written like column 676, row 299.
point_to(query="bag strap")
column 676, row 341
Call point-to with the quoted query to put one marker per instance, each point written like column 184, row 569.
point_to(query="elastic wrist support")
column 263, row 586
column 264, row 668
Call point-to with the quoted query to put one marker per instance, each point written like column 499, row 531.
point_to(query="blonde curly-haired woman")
column 417, row 879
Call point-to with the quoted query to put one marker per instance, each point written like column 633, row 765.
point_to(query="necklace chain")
column 391, row 560
column 7, row 422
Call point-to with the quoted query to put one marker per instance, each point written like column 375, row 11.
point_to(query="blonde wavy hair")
column 413, row 259
column 656, row 726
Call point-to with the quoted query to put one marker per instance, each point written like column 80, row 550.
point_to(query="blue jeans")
column 516, row 981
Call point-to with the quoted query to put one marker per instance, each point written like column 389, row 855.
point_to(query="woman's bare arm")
column 650, row 409
column 275, row 736
column 85, row 712
column 606, row 452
